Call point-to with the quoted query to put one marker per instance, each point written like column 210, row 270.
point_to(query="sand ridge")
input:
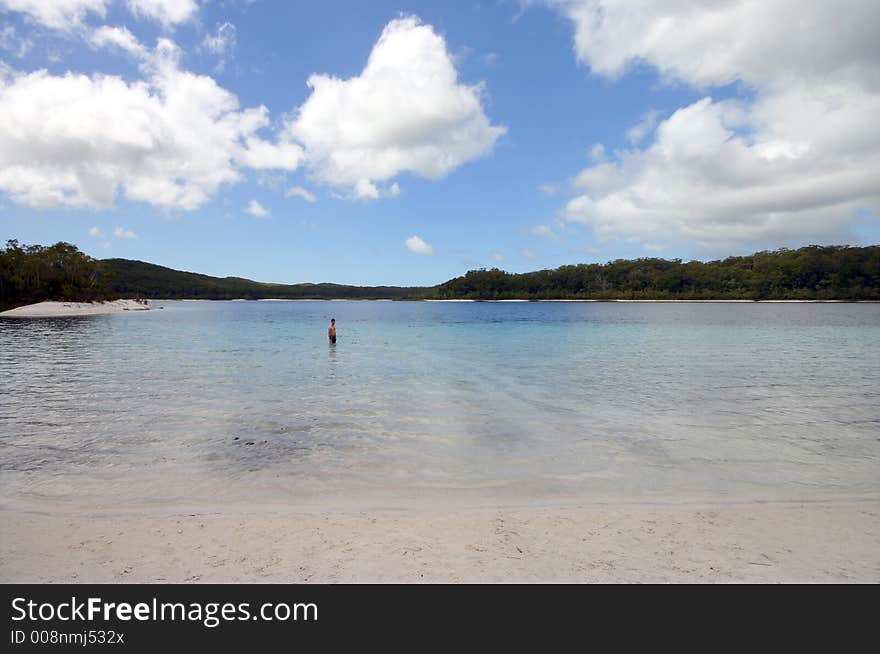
column 52, row 309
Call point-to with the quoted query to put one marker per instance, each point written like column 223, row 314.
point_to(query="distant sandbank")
column 52, row 309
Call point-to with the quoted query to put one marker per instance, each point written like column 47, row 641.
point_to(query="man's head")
column 332, row 321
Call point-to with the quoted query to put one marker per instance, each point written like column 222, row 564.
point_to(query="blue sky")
column 568, row 132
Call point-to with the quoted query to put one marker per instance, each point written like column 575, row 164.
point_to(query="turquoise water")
column 247, row 402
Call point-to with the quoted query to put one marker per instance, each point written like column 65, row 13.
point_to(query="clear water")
column 247, row 402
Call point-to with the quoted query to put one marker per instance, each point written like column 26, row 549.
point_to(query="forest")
column 32, row 273
column 137, row 279
column 814, row 272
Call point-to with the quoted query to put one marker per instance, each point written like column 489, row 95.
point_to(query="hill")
column 129, row 278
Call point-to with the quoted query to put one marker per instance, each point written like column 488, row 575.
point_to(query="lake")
column 246, row 402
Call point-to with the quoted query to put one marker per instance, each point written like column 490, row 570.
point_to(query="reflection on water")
column 235, row 401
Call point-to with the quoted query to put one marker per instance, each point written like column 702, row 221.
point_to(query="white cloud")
column 714, row 43
column 300, row 192
column 366, row 190
column 255, row 209
column 548, row 188
column 68, row 15
column 94, row 232
column 598, row 177
column 528, row 254
column 223, row 40
column 789, row 163
column 788, row 179
column 498, row 257
column 260, row 154
column 167, row 12
column 417, row 245
column 57, row 14
column 221, row 44
column 121, row 232
column 171, row 139
column 119, row 37
column 405, row 112
column 637, row 133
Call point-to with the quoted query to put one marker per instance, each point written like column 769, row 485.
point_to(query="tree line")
column 835, row 272
column 32, row 273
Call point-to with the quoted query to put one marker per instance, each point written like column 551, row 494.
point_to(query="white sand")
column 59, row 309
column 823, row 541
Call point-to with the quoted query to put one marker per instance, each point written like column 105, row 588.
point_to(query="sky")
column 408, row 142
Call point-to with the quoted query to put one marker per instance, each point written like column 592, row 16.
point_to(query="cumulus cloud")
column 704, row 183
column 173, row 138
column 121, row 232
column 716, row 43
column 300, row 192
column 418, row 246
column 405, row 112
column 255, row 209
column 94, row 232
column 170, row 139
column 790, row 162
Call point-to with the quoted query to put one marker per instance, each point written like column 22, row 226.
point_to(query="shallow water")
column 247, row 402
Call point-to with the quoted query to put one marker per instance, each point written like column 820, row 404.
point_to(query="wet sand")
column 819, row 541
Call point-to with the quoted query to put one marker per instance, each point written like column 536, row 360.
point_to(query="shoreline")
column 820, row 542
column 55, row 309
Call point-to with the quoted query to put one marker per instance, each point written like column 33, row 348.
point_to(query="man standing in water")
column 331, row 333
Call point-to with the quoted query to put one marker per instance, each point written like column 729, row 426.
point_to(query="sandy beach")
column 767, row 542
column 51, row 309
